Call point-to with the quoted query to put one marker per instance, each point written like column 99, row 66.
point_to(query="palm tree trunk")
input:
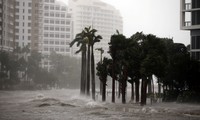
column 82, row 75
column 88, row 71
column 84, row 71
column 104, row 91
column 143, row 91
column 124, row 85
column 132, row 91
column 113, row 81
column 93, row 74
column 137, row 87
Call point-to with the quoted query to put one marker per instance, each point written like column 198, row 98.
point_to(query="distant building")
column 7, row 24
column 99, row 15
column 23, row 22
column 51, row 29
column 190, row 20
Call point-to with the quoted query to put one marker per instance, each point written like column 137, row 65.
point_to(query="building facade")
column 23, row 21
column 190, row 20
column 51, row 29
column 7, row 24
column 100, row 16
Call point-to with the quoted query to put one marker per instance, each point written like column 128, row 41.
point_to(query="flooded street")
column 68, row 105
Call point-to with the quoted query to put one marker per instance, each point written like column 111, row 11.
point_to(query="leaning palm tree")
column 80, row 39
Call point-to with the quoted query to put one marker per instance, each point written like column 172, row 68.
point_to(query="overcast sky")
column 159, row 17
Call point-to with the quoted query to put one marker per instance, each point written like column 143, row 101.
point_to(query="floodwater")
column 68, row 105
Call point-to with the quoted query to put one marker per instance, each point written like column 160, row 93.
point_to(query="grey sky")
column 159, row 17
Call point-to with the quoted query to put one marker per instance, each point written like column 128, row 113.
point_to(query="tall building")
column 7, row 24
column 99, row 15
column 51, row 29
column 190, row 20
column 23, row 22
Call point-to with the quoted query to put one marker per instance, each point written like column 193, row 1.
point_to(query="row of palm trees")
column 138, row 58
column 134, row 60
column 86, row 41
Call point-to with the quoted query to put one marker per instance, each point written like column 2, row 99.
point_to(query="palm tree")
column 96, row 39
column 81, row 40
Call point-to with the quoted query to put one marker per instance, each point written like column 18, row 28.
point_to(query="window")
column 52, row 1
column 63, row 9
column 57, row 15
column 45, row 49
column 29, row 37
column 17, row 16
column 68, row 29
column 29, row 10
column 46, row 21
column 23, row 11
column 57, row 28
column 29, row 24
column 17, row 10
column 57, row 42
column 52, row 14
column 51, row 7
column 57, row 22
column 45, row 42
column 29, row 4
column 46, row 35
column 57, row 49
column 29, row 31
column 52, row 28
column 62, row 15
column 46, row 14
column 52, row 21
column 17, row 36
column 62, row 42
column 62, row 22
column 51, row 42
column 67, row 22
column 62, row 36
column 62, row 49
column 23, row 3
column 52, row 35
column 17, row 30
column 29, row 17
column 47, row 1
column 62, row 29
column 195, row 42
column 46, row 28
column 17, row 3
column 67, row 36
column 57, row 8
column 46, row 7
column 57, row 35
column 51, row 49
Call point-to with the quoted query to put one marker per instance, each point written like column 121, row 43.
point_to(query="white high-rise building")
column 100, row 16
column 23, row 21
column 56, row 28
column 51, row 29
